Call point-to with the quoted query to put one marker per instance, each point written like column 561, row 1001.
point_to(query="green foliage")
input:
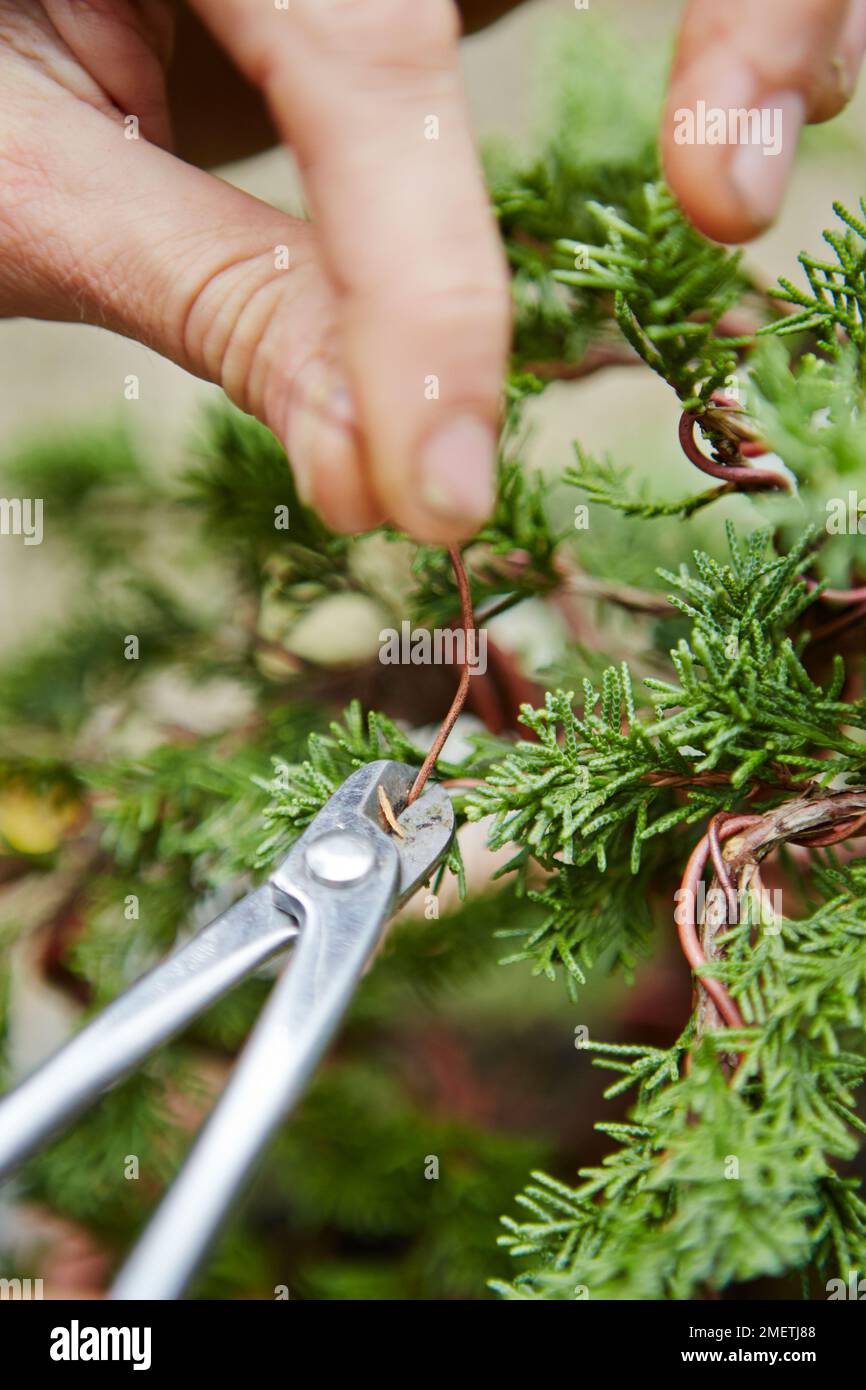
column 423, row 959
column 707, row 1187
column 807, row 409
column 805, row 988
column 597, row 140
column 744, row 696
column 661, row 1218
column 299, row 791
column 371, row 1179
column 198, row 804
column 244, row 490
column 834, row 306
column 810, row 413
column 75, row 474
column 606, row 484
column 81, row 1174
column 580, row 927
column 52, row 683
column 743, row 706
column 564, row 797
column 670, row 289
column 809, row 416
column 94, row 482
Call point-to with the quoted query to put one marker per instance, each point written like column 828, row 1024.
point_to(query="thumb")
column 121, row 234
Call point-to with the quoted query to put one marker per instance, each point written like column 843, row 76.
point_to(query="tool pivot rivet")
column 340, row 856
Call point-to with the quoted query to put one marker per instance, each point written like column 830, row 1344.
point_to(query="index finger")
column 370, row 95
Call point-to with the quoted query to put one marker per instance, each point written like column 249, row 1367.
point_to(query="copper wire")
column 687, row 926
column 467, row 619
column 744, row 477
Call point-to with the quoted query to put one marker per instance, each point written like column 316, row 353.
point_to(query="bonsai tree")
column 693, row 771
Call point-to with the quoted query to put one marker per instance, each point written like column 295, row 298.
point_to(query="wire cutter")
column 332, row 897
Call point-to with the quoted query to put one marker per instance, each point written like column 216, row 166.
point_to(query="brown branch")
column 624, row 595
column 838, row 595
column 719, row 864
column 596, row 357
column 714, row 779
column 832, row 629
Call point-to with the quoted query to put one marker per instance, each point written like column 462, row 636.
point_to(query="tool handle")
column 147, row 1014
column 339, row 931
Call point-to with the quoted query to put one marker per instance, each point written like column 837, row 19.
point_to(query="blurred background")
column 447, row 1054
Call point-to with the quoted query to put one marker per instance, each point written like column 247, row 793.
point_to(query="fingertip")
column 323, row 446
column 704, row 198
column 339, row 495
column 427, row 528
column 450, row 492
column 700, row 180
column 456, row 464
column 326, row 462
column 430, row 396
column 759, row 172
column 727, row 151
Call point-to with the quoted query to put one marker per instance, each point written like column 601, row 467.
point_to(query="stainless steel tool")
column 332, row 897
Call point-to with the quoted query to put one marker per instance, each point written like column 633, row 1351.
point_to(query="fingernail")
column 457, row 469
column 300, row 458
column 759, row 170
column 315, row 444
column 320, row 420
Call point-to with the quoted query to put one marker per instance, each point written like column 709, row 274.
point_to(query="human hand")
column 373, row 340
column 797, row 60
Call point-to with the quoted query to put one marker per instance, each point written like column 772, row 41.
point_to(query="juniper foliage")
column 670, row 289
column 834, row 306
column 733, row 685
